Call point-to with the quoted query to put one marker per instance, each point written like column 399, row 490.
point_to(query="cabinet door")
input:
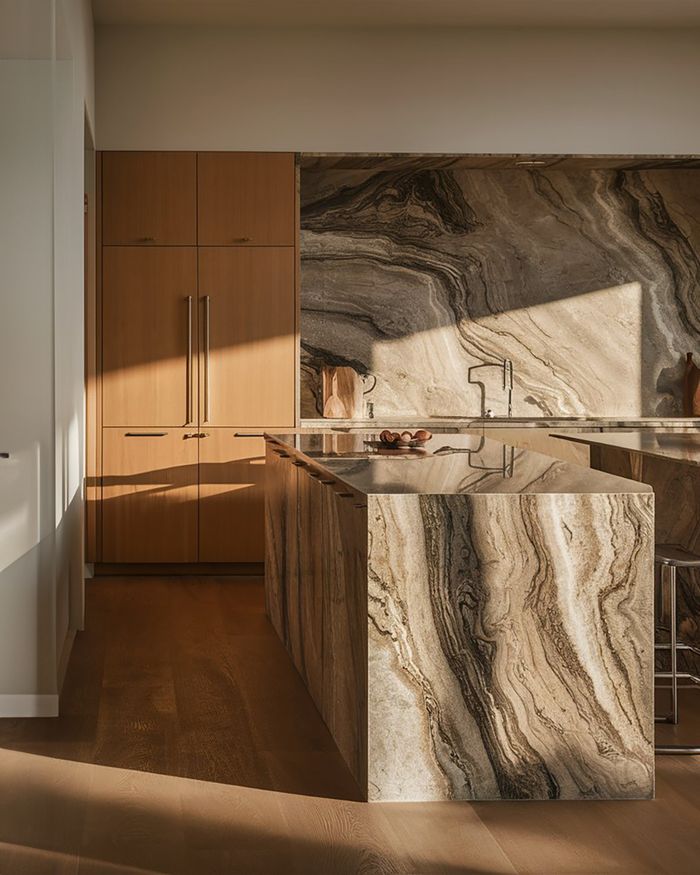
column 149, row 198
column 311, row 582
column 246, row 198
column 148, row 329
column 231, row 497
column 345, row 625
column 149, row 496
column 247, row 337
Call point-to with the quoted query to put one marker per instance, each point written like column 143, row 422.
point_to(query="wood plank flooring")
column 187, row 744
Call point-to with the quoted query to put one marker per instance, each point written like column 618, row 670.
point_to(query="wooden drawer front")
column 149, row 296
column 231, row 497
column 149, row 198
column 246, row 199
column 149, row 495
column 248, row 343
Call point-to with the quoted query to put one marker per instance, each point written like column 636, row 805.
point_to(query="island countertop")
column 452, row 464
column 473, row 622
column 675, row 446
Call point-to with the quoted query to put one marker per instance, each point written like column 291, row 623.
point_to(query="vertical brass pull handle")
column 207, row 312
column 189, row 360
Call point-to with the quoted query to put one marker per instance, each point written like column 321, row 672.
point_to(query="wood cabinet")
column 344, row 617
column 316, row 550
column 246, row 198
column 231, row 497
column 149, row 198
column 197, row 335
column 311, row 582
column 149, row 313
column 248, row 343
column 149, row 495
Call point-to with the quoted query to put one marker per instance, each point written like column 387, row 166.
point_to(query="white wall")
column 43, row 102
column 597, row 91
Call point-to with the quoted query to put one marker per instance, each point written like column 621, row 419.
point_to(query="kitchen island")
column 473, row 622
column 669, row 462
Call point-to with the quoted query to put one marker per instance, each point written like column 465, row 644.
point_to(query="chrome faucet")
column 508, row 383
column 506, row 367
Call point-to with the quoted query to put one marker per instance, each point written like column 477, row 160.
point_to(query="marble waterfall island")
column 472, row 623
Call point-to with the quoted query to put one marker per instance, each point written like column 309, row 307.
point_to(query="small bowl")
column 400, row 443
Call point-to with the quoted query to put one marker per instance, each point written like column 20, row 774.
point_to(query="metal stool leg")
column 671, row 570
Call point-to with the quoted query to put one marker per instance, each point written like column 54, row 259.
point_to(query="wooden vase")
column 691, row 387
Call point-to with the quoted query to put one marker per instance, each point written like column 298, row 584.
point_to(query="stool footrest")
column 677, row 749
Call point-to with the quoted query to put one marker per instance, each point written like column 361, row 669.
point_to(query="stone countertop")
column 674, row 446
column 447, row 422
column 452, row 464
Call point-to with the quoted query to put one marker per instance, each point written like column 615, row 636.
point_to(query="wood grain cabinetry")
column 149, row 314
column 149, row 495
column 231, row 497
column 248, row 341
column 198, row 334
column 246, row 199
column 344, row 619
column 316, row 591
column 149, row 198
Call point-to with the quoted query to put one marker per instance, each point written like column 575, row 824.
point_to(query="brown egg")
column 386, row 436
column 422, row 435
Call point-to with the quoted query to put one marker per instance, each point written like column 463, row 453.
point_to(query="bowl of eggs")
column 400, row 440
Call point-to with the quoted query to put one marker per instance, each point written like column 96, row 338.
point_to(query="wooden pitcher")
column 691, row 387
column 342, row 393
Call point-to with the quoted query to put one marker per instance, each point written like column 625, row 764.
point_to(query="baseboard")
column 173, row 569
column 28, row 705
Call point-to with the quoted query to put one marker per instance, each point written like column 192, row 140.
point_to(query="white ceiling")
column 404, row 13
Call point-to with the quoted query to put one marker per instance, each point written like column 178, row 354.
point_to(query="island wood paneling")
column 344, row 546
column 149, row 198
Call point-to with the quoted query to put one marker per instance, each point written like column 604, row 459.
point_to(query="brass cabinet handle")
column 243, row 434
column 241, row 239
column 146, row 239
column 190, row 369
column 145, row 433
column 207, row 313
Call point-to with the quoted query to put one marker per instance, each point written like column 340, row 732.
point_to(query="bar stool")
column 671, row 557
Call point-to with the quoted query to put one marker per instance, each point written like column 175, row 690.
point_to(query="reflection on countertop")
column 451, row 464
column 673, row 445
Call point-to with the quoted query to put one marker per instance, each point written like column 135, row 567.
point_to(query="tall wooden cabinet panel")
column 248, row 344
column 246, row 198
column 149, row 317
column 149, row 198
column 149, row 495
column 231, row 497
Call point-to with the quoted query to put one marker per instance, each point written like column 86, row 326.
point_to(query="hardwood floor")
column 187, row 744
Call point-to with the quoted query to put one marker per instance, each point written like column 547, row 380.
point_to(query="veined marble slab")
column 510, row 647
column 669, row 462
column 508, row 632
column 586, row 280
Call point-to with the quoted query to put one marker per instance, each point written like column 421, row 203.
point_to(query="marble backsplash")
column 588, row 281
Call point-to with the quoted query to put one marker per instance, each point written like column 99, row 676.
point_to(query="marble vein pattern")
column 510, row 646
column 587, row 280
